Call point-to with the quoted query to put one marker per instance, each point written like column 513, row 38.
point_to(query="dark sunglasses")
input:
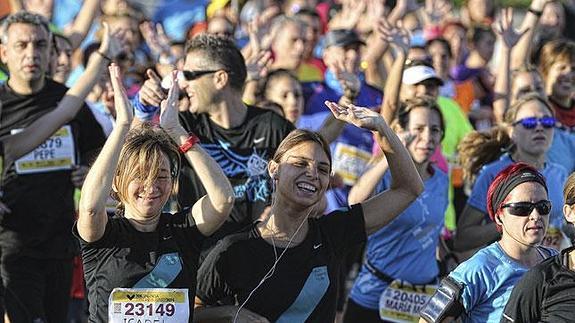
column 525, row 208
column 192, row 75
column 531, row 123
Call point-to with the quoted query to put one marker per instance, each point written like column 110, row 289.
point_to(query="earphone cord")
column 271, row 271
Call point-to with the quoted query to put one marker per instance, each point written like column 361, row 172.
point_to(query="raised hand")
column 397, row 37
column 169, row 110
column 152, row 35
column 112, row 42
column 436, row 11
column 151, row 92
column 257, row 65
column 504, row 29
column 348, row 18
column 41, row 7
column 375, row 10
column 124, row 110
column 358, row 116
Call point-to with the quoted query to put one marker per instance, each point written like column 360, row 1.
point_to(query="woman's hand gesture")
column 505, row 31
column 112, row 42
column 169, row 110
column 124, row 110
column 397, row 37
column 358, row 116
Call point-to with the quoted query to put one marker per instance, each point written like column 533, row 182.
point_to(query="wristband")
column 189, row 143
column 535, row 12
column 143, row 112
column 103, row 55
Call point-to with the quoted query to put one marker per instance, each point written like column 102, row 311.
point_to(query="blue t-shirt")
column 405, row 248
column 562, row 149
column 351, row 151
column 488, row 278
column 555, row 175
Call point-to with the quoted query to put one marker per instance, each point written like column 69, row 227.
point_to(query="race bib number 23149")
column 148, row 305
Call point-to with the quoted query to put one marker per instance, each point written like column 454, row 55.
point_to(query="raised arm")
column 399, row 39
column 15, row 146
column 88, row 12
column 92, row 216
column 366, row 184
column 213, row 209
column 406, row 184
column 508, row 38
column 521, row 53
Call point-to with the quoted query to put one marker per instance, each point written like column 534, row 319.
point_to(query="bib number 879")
column 139, row 309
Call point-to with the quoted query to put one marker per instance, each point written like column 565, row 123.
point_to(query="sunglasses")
column 525, row 208
column 531, row 123
column 192, row 75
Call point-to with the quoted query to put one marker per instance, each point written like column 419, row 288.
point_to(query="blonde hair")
column 556, row 51
column 569, row 190
column 141, row 158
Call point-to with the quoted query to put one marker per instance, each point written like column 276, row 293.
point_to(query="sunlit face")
column 312, row 34
column 146, row 202
column 129, row 27
column 219, row 26
column 286, row 92
column 534, row 142
column 26, row 53
column 440, row 58
column 553, row 17
column 201, row 91
column 528, row 230
column 288, row 46
column 427, row 87
column 61, row 61
column 485, row 46
column 425, row 127
column 479, row 10
column 525, row 82
column 303, row 175
column 350, row 54
column 560, row 82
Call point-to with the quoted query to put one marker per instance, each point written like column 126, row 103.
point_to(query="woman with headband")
column 478, row 288
column 545, row 293
column 286, row 268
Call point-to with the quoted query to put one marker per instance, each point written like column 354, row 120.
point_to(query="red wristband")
column 189, row 143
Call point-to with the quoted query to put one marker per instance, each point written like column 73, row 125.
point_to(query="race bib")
column 553, row 238
column 349, row 162
column 56, row 153
column 401, row 302
column 148, row 305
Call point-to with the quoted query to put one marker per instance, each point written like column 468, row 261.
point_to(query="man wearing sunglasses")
column 240, row 138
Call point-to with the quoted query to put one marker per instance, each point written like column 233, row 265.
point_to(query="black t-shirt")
column 304, row 284
column 124, row 256
column 546, row 293
column 42, row 203
column 242, row 152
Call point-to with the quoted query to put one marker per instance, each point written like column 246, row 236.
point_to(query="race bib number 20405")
column 148, row 305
